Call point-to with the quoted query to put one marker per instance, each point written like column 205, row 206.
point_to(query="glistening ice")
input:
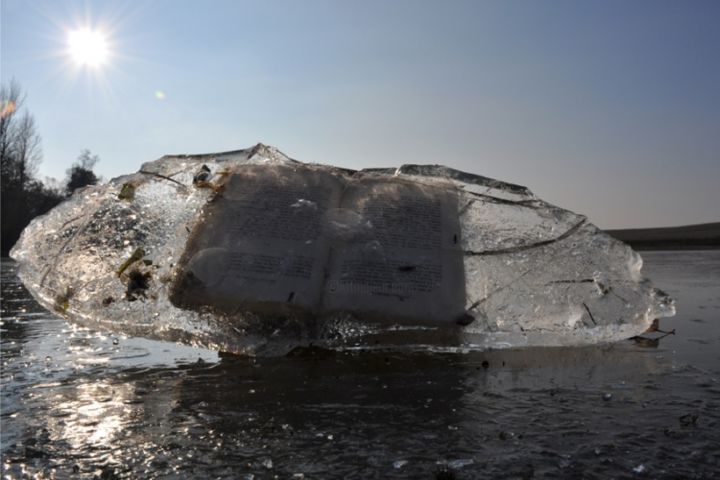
column 254, row 253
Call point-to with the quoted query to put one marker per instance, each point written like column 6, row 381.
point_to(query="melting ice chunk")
column 252, row 252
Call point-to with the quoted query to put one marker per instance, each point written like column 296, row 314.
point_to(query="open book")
column 294, row 239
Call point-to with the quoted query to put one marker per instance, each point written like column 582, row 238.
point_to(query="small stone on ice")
column 460, row 463
column 399, row 463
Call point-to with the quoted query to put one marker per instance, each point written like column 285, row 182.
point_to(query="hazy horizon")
column 610, row 109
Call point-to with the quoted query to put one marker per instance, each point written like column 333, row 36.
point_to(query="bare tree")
column 81, row 174
column 11, row 99
column 20, row 151
column 22, row 196
column 87, row 160
column 27, row 148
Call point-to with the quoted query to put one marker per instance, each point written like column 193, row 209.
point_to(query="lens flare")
column 7, row 108
column 88, row 47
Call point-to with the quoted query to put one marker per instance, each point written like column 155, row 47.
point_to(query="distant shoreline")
column 705, row 236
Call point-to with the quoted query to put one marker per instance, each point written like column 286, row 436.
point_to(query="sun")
column 88, row 47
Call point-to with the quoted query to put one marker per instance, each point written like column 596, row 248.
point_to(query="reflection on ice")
column 94, row 415
column 252, row 252
column 519, row 413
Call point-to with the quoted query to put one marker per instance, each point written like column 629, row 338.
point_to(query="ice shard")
column 252, row 252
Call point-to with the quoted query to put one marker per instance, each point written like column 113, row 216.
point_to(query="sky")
column 607, row 108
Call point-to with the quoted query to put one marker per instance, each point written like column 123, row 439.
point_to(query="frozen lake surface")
column 82, row 404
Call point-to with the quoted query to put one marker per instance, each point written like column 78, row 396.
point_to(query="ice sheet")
column 416, row 257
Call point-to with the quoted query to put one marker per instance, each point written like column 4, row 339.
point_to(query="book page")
column 261, row 242
column 408, row 263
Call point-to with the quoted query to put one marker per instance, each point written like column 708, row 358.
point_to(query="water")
column 82, row 404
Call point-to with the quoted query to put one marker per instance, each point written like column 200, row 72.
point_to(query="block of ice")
column 252, row 252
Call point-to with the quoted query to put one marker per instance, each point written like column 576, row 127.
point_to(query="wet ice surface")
column 251, row 252
column 79, row 404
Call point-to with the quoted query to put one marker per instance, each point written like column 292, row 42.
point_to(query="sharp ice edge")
column 527, row 265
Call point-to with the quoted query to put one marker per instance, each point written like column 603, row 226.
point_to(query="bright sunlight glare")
column 88, row 47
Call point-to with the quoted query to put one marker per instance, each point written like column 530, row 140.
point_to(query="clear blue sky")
column 608, row 108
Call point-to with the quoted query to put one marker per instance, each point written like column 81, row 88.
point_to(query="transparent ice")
column 535, row 274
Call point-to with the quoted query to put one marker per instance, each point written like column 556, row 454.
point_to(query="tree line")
column 23, row 196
